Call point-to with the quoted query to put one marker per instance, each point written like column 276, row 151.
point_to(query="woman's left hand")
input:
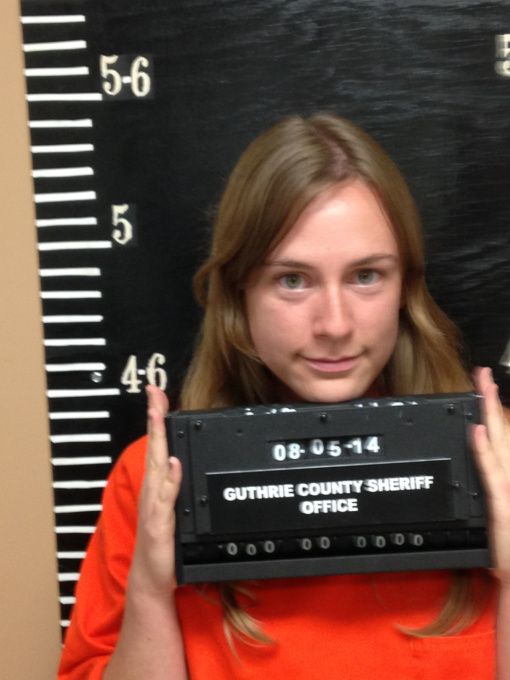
column 491, row 444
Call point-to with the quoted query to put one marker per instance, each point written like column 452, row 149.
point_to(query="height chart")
column 137, row 113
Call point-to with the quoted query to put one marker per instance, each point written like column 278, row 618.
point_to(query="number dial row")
column 278, row 548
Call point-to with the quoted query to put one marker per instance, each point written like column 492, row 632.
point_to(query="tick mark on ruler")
column 54, row 46
column 54, row 19
column 68, row 222
column 70, row 271
column 94, row 366
column 92, row 507
column 71, row 294
column 78, row 415
column 52, row 72
column 77, row 123
column 50, row 173
column 82, row 460
column 75, row 245
column 73, row 318
column 79, row 96
column 76, row 342
column 66, row 197
column 101, row 392
column 62, row 148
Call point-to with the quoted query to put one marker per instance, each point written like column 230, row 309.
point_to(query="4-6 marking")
column 153, row 371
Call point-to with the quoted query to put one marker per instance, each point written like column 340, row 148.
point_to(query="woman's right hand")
column 150, row 642
column 153, row 568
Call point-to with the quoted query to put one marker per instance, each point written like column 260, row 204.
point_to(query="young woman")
column 314, row 290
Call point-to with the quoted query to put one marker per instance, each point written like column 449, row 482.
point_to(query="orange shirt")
column 325, row 627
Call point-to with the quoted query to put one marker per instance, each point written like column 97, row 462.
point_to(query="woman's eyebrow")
column 364, row 261
column 291, row 264
column 373, row 259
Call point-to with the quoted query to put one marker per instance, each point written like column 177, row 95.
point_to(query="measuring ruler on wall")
column 68, row 86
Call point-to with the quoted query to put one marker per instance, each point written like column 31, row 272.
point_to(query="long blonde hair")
column 277, row 176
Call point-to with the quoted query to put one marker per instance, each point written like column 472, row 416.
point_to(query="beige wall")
column 29, row 619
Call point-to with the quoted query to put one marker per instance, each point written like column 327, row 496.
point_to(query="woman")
column 314, row 290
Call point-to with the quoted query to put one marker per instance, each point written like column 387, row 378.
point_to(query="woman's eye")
column 293, row 281
column 367, row 277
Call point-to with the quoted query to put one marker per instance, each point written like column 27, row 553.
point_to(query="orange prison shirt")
column 328, row 627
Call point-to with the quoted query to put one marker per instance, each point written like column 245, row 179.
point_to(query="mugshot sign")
column 310, row 489
column 336, row 496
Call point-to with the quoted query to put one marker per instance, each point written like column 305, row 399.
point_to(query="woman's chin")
column 328, row 393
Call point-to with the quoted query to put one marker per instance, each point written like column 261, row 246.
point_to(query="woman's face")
column 323, row 308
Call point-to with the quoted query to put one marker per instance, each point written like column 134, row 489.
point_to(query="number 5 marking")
column 123, row 229
column 112, row 80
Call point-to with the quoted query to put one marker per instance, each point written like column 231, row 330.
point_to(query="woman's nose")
column 332, row 313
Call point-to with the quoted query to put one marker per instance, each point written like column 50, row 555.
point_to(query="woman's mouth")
column 332, row 365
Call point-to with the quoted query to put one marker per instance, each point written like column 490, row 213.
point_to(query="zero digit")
column 324, row 542
column 279, row 452
column 317, row 447
column 232, row 549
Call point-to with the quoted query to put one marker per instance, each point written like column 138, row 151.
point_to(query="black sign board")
column 302, row 489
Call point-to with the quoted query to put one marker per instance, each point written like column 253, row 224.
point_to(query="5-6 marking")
column 126, row 76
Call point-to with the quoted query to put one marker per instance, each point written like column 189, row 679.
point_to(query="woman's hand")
column 153, row 568
column 150, row 641
column 491, row 443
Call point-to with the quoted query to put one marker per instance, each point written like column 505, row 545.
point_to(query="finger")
column 170, row 485
column 158, row 399
column 159, row 492
column 493, row 474
column 157, row 454
column 488, row 465
column 492, row 409
column 157, row 517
